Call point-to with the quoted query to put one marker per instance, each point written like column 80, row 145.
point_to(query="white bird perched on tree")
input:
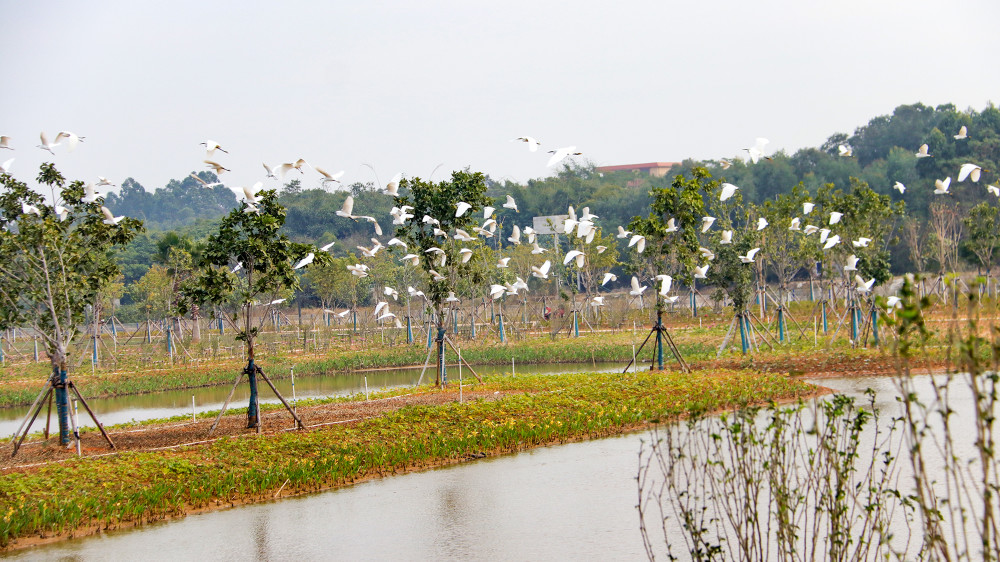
column 536, row 249
column 941, row 187
column 5, row 167
column 237, row 267
column 898, row 186
column 305, row 261
column 922, row 152
column 466, row 254
column 831, row 241
column 530, row 141
column 608, row 277
column 392, row 188
column 671, row 225
column 390, row 292
column 809, row 229
column 727, row 237
column 397, row 242
column 706, row 223
column 761, row 223
column 327, row 176
column 835, row 217
column 110, row 218
column 969, row 170
column 622, row 233
column 511, row 204
column 29, row 209
column 541, row 272
column 437, row 277
column 963, row 133
column 845, row 150
column 636, row 288
column 219, row 168
column 211, row 146
column 808, row 207
column 639, row 241
column 749, row 257
column 347, row 209
column 796, row 224
column 502, row 262
column 665, row 282
column 701, row 272
column 756, row 151
column 560, row 153
column 574, row 255
column 461, row 207
column 861, row 242
column 728, row 190
column 862, row 285
column 515, row 236
column 852, row 263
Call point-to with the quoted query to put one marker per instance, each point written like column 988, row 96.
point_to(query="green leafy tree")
column 52, row 267
column 265, row 256
column 438, row 201
column 785, row 251
column 983, row 238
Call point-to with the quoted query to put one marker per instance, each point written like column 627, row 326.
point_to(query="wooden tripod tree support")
column 36, row 407
column 259, row 371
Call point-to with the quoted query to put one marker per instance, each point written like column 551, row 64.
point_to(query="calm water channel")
column 574, row 501
column 173, row 403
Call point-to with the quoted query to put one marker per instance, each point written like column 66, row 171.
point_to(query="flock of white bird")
column 580, row 226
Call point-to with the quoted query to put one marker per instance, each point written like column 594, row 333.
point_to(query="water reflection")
column 178, row 402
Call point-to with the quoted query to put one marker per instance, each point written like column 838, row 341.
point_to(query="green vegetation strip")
column 597, row 347
column 84, row 495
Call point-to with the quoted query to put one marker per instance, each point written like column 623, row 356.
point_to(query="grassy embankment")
column 132, row 488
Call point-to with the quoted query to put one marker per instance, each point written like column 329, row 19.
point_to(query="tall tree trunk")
column 62, row 398
column 196, row 327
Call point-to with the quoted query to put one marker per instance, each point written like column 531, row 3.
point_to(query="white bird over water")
column 560, row 153
column 941, row 187
column 728, row 190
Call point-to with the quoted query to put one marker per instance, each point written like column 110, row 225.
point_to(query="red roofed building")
column 655, row 169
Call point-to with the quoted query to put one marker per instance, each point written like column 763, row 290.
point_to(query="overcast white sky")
column 406, row 86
